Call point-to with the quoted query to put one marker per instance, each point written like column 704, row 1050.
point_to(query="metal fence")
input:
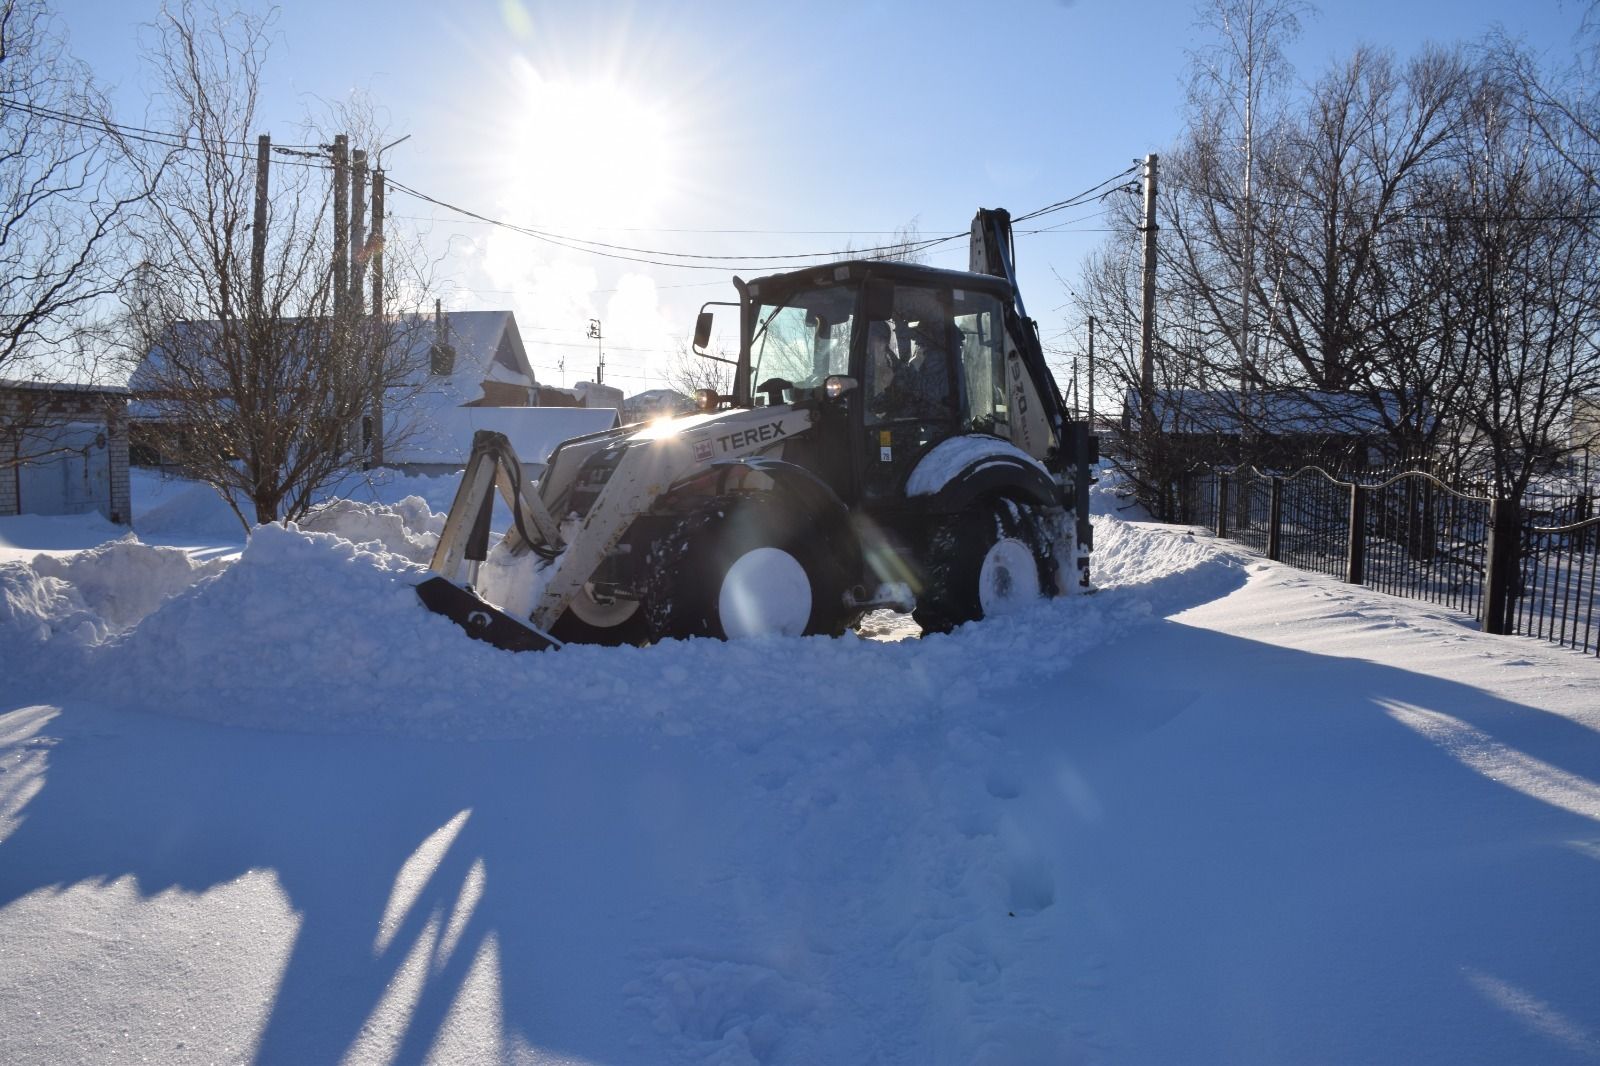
column 1414, row 535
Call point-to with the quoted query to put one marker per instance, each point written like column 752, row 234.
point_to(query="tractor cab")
column 896, row 358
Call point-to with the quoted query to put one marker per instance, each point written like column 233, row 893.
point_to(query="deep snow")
column 257, row 805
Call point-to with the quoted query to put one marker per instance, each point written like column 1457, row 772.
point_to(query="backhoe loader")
column 893, row 438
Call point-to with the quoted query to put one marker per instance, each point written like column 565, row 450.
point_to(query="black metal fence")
column 1514, row 569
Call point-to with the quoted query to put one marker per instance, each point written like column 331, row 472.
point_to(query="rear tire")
column 992, row 559
column 743, row 567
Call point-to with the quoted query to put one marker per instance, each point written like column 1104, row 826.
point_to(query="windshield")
column 804, row 339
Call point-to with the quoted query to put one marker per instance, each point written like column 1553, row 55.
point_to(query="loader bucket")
column 482, row 620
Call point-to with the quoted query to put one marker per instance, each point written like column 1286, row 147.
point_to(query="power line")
column 295, row 153
column 607, row 249
column 159, row 138
column 654, row 256
column 1230, row 200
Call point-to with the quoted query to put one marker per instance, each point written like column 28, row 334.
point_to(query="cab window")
column 980, row 324
column 908, row 358
column 806, row 338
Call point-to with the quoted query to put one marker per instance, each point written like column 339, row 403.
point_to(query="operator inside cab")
column 908, row 370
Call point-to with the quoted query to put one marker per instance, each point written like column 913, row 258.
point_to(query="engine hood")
column 667, row 428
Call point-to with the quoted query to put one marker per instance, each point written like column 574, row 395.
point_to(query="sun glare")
column 590, row 154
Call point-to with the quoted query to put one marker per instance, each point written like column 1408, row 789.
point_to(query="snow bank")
column 169, row 508
column 23, row 535
column 54, row 609
column 124, row 581
column 311, row 631
column 392, row 488
column 409, row 528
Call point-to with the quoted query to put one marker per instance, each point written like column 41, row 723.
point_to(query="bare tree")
column 905, row 246
column 63, row 204
column 1234, row 94
column 688, row 372
column 261, row 398
column 1521, row 218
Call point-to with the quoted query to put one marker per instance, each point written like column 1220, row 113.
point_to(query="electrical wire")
column 654, row 257
column 161, row 139
column 604, row 247
column 1232, row 200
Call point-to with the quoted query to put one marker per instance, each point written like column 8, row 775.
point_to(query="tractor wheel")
column 588, row 621
column 744, row 567
column 992, row 559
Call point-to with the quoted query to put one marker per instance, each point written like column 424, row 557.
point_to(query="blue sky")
column 652, row 124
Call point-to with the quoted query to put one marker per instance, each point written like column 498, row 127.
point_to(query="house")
column 457, row 372
column 64, row 449
column 1287, row 427
column 657, row 403
column 471, row 374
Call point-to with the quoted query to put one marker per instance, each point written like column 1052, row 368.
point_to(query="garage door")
column 75, row 475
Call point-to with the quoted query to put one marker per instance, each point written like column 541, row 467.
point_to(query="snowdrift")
column 319, row 629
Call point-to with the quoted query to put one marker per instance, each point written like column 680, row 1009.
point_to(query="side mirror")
column 837, row 385
column 702, row 330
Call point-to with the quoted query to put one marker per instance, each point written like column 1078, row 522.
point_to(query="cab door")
column 934, row 366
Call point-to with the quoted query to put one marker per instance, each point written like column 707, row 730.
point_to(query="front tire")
column 993, row 559
column 748, row 566
column 588, row 621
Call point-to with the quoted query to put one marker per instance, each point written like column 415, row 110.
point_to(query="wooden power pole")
column 1091, row 373
column 358, row 231
column 380, row 328
column 1147, row 327
column 341, row 222
column 258, row 234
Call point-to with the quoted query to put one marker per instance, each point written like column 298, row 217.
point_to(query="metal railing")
column 1556, row 597
column 1413, row 535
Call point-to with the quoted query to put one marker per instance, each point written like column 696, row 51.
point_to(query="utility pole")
column 1077, row 398
column 1091, row 373
column 600, row 367
column 1147, row 328
column 358, row 231
column 341, row 222
column 258, row 235
column 380, row 328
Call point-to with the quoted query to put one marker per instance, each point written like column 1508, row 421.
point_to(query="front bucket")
column 482, row 621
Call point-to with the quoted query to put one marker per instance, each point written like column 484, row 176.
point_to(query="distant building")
column 459, row 361
column 656, row 403
column 473, row 373
column 1286, row 427
column 64, row 449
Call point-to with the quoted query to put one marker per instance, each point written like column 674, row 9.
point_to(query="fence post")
column 1275, row 521
column 1355, row 568
column 1501, row 563
column 1222, row 503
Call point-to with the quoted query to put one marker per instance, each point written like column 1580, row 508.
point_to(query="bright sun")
column 590, row 154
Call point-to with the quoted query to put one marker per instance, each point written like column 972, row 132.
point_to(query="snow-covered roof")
column 1221, row 410
column 444, row 436
column 487, row 345
column 43, row 385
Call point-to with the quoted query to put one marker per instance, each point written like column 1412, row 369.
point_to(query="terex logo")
column 755, row 435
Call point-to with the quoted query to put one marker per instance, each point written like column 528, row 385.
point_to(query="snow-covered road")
column 1221, row 811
